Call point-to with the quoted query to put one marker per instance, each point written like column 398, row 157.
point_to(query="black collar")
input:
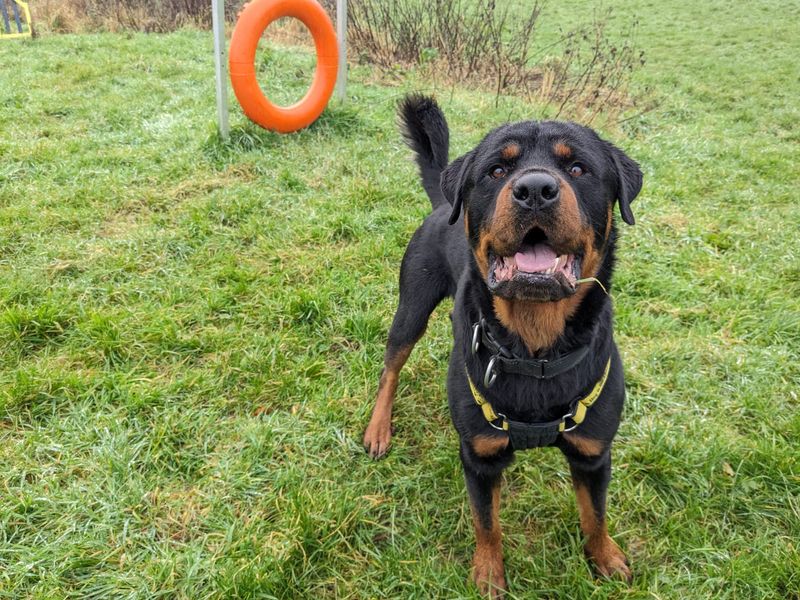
column 502, row 360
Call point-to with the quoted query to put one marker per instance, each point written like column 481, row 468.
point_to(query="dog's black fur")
column 533, row 316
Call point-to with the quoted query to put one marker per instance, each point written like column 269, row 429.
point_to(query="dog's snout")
column 536, row 190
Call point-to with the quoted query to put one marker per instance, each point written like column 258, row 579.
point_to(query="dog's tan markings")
column 501, row 235
column 608, row 558
column 487, row 563
column 569, row 223
column 571, row 226
column 584, row 445
column 378, row 434
column 538, row 324
column 561, row 150
column 609, row 220
column 504, row 223
column 511, row 151
column 482, row 253
column 502, row 218
column 591, row 255
column 489, row 445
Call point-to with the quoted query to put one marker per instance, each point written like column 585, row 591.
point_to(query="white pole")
column 341, row 34
column 221, row 63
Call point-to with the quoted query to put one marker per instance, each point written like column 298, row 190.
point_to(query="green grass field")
column 191, row 333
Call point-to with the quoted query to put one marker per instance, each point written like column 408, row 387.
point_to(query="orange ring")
column 254, row 19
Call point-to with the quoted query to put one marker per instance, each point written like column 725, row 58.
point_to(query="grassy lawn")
column 191, row 333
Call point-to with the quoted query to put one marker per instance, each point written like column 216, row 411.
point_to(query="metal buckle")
column 568, row 429
column 490, row 375
column 569, row 415
column 503, row 418
column 476, row 337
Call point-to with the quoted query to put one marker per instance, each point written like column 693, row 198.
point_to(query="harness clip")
column 490, row 376
column 476, row 337
column 569, row 415
column 502, row 418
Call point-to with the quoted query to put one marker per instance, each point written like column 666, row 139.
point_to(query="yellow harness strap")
column 584, row 403
column 486, row 407
column 581, row 406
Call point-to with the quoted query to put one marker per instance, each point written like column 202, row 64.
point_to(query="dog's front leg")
column 590, row 478
column 483, row 487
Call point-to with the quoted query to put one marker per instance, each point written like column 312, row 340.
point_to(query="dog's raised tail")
column 425, row 130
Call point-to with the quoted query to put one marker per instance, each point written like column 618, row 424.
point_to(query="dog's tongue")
column 533, row 259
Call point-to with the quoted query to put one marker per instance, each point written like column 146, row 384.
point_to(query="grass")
column 191, row 334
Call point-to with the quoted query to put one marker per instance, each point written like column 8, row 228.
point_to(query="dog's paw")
column 378, row 438
column 608, row 559
column 488, row 576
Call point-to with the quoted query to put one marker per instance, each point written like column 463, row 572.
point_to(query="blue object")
column 15, row 8
column 5, row 15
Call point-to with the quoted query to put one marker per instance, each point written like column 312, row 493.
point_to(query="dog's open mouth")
column 535, row 271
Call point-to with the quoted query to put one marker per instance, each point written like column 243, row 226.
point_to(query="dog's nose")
column 536, row 190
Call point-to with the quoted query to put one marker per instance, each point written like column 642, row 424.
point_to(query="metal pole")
column 341, row 35
column 221, row 63
column 15, row 8
column 5, row 15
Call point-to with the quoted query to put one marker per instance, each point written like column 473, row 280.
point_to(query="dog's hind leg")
column 423, row 285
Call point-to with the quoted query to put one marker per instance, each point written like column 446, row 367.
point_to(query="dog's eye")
column 497, row 172
column 577, row 170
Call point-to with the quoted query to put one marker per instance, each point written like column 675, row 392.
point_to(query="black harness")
column 524, row 435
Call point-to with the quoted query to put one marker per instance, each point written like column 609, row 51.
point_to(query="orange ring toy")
column 253, row 20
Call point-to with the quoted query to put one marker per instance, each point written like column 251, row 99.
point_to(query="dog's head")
column 538, row 203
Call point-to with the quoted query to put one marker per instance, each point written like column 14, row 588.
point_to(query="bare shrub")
column 590, row 73
column 469, row 37
column 495, row 45
column 57, row 16
column 152, row 16
column 117, row 15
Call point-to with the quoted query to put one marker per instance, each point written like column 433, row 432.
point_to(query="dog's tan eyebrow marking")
column 511, row 151
column 562, row 150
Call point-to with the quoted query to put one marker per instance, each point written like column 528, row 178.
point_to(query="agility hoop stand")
column 331, row 69
column 341, row 36
column 220, row 63
column 6, row 32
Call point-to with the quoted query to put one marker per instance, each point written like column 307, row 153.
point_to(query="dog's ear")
column 453, row 182
column 629, row 181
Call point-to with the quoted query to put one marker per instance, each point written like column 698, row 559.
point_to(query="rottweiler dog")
column 522, row 235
